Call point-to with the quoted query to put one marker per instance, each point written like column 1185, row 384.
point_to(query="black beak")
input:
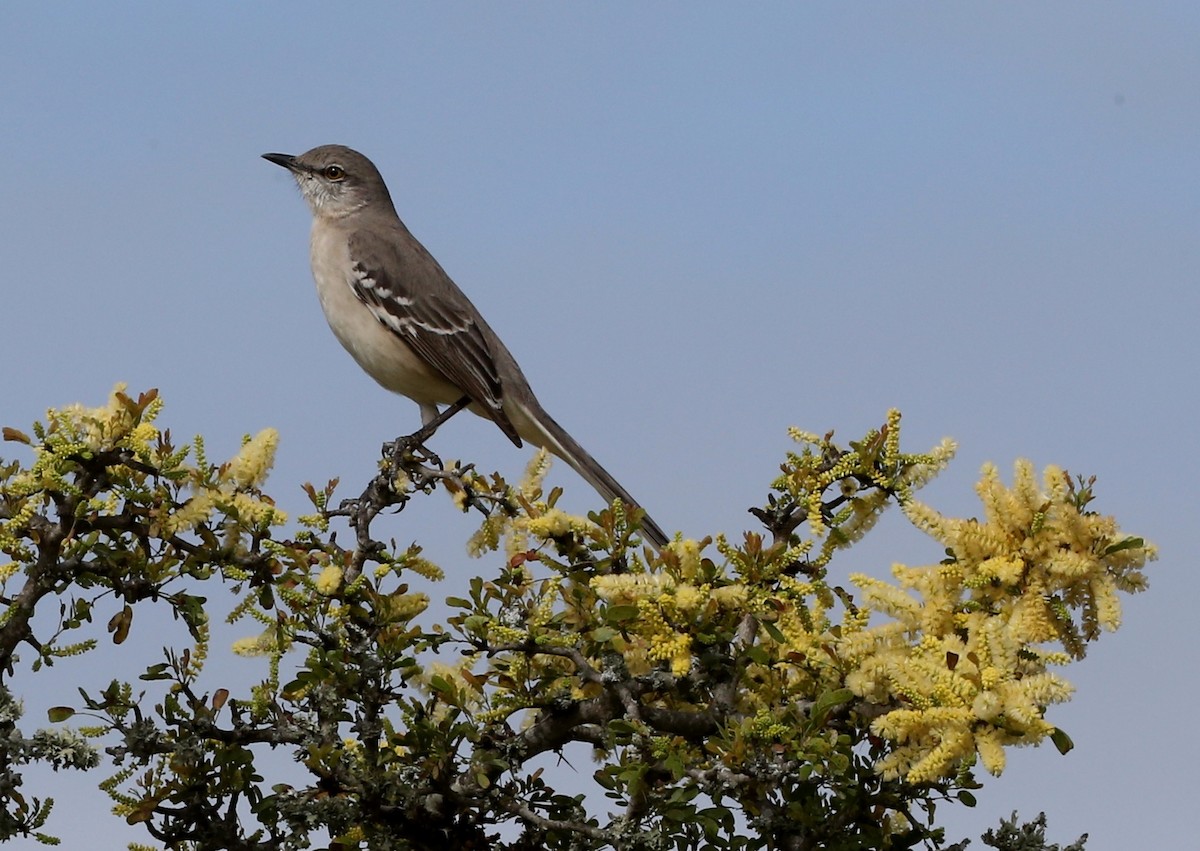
column 285, row 160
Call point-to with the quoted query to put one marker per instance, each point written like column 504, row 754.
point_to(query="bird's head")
column 336, row 181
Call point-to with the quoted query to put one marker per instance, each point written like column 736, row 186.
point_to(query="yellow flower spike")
column 688, row 598
column 855, row 620
column 192, row 513
column 256, row 645
column 256, row 512
column 1045, row 688
column 688, row 553
column 990, row 745
column 1031, row 618
column 816, row 517
column 866, row 512
column 254, row 460
column 404, row 607
column 926, row 519
column 1067, row 565
column 554, row 523
column 544, row 610
column 891, row 446
column 631, row 587
column 1006, row 570
column 931, row 463
column 352, row 747
column 1108, row 608
column 801, row 436
column 990, row 677
column 987, row 706
column 1056, row 481
column 937, row 761
column 731, row 596
column 886, row 598
column 535, row 474
column 1018, row 708
column 487, row 538
column 329, row 581
column 142, row 435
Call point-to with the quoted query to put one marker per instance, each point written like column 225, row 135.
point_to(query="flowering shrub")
column 732, row 695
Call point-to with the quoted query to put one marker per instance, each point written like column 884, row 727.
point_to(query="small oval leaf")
column 219, row 697
column 59, row 713
column 1061, row 741
column 118, row 625
column 16, row 436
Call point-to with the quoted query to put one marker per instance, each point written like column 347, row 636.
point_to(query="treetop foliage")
column 732, row 696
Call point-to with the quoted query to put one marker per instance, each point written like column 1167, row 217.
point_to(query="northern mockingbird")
column 407, row 324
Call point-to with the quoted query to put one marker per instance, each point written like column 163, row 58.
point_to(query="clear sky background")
column 694, row 225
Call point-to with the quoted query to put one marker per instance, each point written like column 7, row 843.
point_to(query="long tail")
column 540, row 429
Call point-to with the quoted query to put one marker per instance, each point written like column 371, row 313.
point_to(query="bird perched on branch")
column 408, row 324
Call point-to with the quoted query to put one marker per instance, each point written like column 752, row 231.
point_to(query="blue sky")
column 694, row 225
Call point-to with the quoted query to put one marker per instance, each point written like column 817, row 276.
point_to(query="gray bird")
column 407, row 323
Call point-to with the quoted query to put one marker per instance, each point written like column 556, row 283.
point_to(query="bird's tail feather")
column 542, row 430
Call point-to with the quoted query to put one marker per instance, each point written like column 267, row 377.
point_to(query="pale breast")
column 378, row 350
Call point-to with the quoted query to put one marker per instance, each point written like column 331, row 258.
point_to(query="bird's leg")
column 432, row 424
column 401, row 453
column 432, row 421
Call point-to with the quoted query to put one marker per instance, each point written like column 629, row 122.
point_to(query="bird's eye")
column 333, row 172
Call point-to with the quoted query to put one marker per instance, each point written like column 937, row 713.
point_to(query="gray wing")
column 410, row 294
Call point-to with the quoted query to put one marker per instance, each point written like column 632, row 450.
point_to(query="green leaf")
column 443, row 687
column 966, row 798
column 1125, row 544
column 57, row 714
column 1062, row 741
column 757, row 655
column 142, row 811
column 826, row 703
column 616, row 614
column 621, row 727
column 604, row 779
column 604, row 633
column 774, row 632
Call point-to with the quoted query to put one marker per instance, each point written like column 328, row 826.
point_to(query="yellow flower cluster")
column 527, row 530
column 330, row 580
column 467, row 693
column 798, row 628
column 113, row 424
column 404, row 607
column 876, row 460
column 663, row 644
column 667, row 609
column 235, row 491
column 514, row 530
column 964, row 656
column 554, row 523
column 254, row 460
column 76, row 430
column 123, row 424
column 410, row 560
column 262, row 644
